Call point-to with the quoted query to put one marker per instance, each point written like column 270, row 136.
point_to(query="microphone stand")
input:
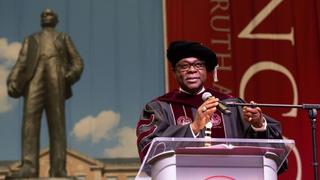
column 312, row 111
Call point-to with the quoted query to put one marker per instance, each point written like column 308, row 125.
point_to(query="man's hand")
column 12, row 90
column 253, row 115
column 203, row 114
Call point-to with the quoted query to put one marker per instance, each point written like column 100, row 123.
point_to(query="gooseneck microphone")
column 221, row 107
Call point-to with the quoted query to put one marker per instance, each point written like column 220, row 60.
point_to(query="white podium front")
column 225, row 159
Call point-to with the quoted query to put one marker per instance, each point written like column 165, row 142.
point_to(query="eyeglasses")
column 187, row 66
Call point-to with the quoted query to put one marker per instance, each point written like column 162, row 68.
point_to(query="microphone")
column 221, row 107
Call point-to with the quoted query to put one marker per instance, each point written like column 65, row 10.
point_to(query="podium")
column 214, row 159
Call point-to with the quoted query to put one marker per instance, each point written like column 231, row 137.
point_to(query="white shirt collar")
column 201, row 91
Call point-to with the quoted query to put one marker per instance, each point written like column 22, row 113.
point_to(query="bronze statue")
column 47, row 66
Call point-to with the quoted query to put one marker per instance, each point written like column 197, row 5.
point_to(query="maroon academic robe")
column 170, row 115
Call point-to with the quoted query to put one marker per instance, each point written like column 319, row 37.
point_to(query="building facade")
column 83, row 167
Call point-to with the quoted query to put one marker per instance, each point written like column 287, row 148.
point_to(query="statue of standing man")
column 47, row 66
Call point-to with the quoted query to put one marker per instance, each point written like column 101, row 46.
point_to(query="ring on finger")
column 204, row 109
column 250, row 119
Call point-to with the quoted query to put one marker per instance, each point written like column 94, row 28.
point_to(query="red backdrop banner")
column 268, row 51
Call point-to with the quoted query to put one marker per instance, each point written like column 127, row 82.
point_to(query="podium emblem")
column 219, row 178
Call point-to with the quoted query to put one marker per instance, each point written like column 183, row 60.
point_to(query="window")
column 112, row 178
column 81, row 177
column 131, row 177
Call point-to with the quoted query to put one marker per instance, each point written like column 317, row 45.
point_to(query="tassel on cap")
column 215, row 73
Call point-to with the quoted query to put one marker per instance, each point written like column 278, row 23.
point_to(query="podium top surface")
column 161, row 147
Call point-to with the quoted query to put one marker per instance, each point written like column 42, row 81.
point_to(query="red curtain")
column 268, row 51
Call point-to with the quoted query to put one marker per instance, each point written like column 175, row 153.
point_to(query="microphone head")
column 206, row 96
